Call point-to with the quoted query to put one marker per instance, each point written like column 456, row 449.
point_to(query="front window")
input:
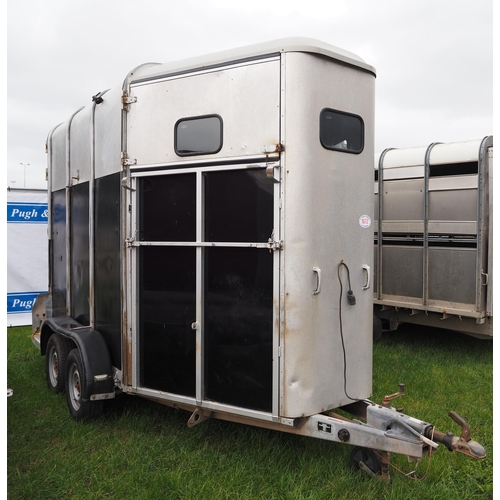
column 200, row 135
column 341, row 131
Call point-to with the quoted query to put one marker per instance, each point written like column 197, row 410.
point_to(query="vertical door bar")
column 279, row 264
column 380, row 219
column 276, row 301
column 427, row 168
column 481, row 179
column 131, row 275
column 200, row 226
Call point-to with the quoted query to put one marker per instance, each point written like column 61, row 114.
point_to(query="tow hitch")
column 463, row 444
column 403, row 435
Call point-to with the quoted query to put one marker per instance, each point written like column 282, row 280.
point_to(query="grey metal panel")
column 58, row 158
column 402, row 270
column 403, row 226
column 461, row 227
column 452, row 275
column 326, row 192
column 249, row 110
column 412, row 172
column 80, row 147
column 403, row 200
column 456, row 205
column 107, row 134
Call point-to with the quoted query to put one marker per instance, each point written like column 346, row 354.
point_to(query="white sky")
column 434, row 59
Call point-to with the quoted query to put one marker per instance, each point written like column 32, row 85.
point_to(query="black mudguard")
column 93, row 350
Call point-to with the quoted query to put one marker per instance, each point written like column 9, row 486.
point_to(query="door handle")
column 368, row 276
column 317, row 270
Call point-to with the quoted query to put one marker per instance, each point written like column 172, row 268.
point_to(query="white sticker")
column 365, row 221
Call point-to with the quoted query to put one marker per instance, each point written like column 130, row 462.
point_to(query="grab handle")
column 317, row 270
column 368, row 276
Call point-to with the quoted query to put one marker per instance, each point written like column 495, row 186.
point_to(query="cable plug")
column 351, row 298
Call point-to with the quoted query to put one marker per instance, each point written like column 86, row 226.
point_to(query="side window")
column 341, row 131
column 201, row 135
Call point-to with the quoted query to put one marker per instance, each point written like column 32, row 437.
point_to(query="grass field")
column 143, row 450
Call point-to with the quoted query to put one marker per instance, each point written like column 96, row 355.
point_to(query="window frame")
column 345, row 113
column 198, row 153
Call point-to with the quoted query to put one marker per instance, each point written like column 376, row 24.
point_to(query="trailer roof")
column 441, row 153
column 152, row 71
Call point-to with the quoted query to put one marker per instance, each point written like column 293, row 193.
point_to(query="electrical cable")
column 352, row 301
column 410, row 474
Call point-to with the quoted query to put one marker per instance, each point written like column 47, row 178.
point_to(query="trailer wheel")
column 368, row 457
column 55, row 362
column 79, row 408
column 377, row 328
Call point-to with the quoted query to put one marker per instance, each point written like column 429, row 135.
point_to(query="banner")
column 27, row 252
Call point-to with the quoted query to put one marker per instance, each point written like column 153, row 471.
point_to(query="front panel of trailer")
column 328, row 182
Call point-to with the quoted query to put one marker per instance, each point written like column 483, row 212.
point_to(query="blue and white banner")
column 27, row 213
column 21, row 302
column 27, row 252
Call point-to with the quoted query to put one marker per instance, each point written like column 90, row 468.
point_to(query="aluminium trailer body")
column 434, row 236
column 192, row 260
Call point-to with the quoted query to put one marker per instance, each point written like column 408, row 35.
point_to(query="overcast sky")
column 434, row 59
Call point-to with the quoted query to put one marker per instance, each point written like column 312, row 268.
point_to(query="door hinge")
column 274, row 244
column 129, row 242
column 126, row 99
column 127, row 162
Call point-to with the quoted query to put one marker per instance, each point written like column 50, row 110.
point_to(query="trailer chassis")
column 375, row 432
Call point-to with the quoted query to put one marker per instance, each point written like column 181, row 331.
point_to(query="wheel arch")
column 94, row 353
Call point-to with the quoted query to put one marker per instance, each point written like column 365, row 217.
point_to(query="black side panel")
column 168, row 210
column 107, row 305
column 239, row 327
column 238, row 291
column 80, row 252
column 238, row 206
column 167, row 311
column 57, row 274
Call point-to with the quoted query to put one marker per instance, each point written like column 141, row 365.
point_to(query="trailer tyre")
column 56, row 356
column 368, row 457
column 377, row 328
column 79, row 408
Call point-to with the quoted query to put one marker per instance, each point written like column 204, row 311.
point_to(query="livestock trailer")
column 210, row 242
column 434, row 236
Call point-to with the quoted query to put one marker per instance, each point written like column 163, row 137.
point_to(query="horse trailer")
column 433, row 261
column 211, row 248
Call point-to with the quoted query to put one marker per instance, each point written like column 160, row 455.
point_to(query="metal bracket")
column 128, row 99
column 129, row 242
column 126, row 162
column 274, row 244
column 273, row 173
column 125, row 185
column 198, row 417
column 273, row 148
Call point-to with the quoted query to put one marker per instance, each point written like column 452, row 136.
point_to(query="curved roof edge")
column 441, row 153
column 294, row 44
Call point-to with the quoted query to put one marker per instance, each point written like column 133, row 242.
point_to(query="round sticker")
column 365, row 221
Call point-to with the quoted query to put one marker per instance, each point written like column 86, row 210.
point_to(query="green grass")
column 143, row 450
